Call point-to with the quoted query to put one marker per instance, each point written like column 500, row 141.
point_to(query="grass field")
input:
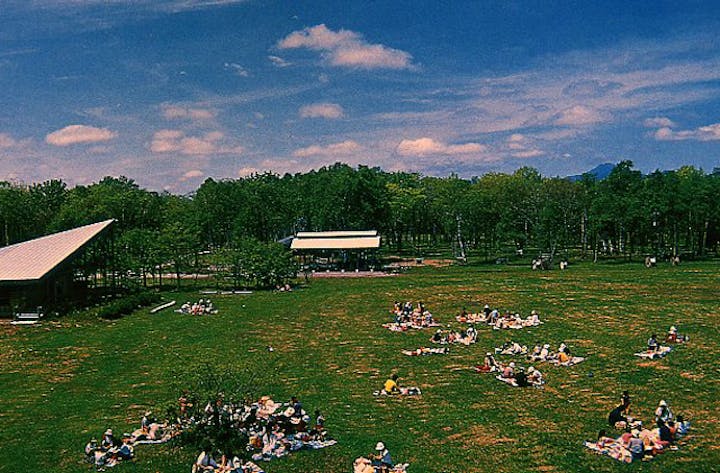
column 69, row 379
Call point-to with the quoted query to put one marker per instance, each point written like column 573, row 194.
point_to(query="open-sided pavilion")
column 51, row 270
column 342, row 249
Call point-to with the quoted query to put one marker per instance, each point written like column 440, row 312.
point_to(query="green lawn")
column 68, row 380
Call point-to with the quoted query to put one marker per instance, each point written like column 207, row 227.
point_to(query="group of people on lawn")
column 201, row 307
column 499, row 321
column 111, row 450
column 638, row 442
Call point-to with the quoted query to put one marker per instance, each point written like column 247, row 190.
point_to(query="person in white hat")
column 381, row 459
column 663, row 412
column 108, row 440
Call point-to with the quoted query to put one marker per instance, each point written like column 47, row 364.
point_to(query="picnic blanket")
column 572, row 361
column 426, row 351
column 411, row 391
column 512, row 382
column 405, row 326
column 661, row 352
column 612, row 449
column 512, row 348
column 364, row 465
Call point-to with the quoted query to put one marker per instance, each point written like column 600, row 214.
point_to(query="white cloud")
column 516, row 141
column 428, row 146
column 279, row 62
column 193, row 174
column 703, row 133
column 175, row 112
column 176, row 141
column 322, row 110
column 658, row 122
column 237, row 69
column 529, row 153
column 521, row 147
column 580, row 115
column 346, row 48
column 335, row 149
column 7, row 141
column 79, row 134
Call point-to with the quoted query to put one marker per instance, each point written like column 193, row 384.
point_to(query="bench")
column 27, row 318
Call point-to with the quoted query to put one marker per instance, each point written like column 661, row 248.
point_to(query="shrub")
column 126, row 305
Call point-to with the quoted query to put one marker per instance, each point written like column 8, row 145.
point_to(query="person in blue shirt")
column 381, row 459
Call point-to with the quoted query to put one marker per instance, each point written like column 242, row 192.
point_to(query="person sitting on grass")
column 625, row 401
column 90, row 449
column 108, row 441
column 381, row 459
column 205, row 461
column 681, row 427
column 674, row 337
column 617, row 418
column 663, row 412
column 126, row 451
column 521, row 379
column 489, row 364
column 534, row 376
column 391, row 385
column 563, row 357
column 652, row 343
column 664, row 432
column 636, row 445
column 509, row 371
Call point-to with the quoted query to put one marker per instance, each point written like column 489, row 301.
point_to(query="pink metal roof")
column 33, row 259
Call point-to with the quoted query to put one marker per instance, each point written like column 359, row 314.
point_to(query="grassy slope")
column 66, row 381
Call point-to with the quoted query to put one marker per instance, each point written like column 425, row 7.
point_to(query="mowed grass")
column 68, row 380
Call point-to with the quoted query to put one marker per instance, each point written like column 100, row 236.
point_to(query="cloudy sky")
column 171, row 92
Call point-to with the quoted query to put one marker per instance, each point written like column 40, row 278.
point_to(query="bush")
column 127, row 305
column 208, row 384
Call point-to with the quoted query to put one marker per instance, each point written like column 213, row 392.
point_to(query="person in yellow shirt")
column 563, row 357
column 391, row 385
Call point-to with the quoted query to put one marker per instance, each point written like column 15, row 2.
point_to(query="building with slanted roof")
column 345, row 249
column 42, row 272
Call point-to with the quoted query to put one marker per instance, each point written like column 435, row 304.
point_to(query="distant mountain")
column 600, row 172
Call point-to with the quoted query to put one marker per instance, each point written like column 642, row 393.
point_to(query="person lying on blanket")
column 426, row 351
column 511, row 348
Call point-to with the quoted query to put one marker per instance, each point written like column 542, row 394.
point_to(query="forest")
column 625, row 215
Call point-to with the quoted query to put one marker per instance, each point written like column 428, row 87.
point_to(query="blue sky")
column 171, row 92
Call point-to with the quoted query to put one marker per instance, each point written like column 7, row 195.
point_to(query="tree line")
column 626, row 214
